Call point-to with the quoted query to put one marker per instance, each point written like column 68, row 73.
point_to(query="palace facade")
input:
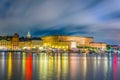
column 71, row 42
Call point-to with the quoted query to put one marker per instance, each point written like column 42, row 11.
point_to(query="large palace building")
column 48, row 42
column 70, row 42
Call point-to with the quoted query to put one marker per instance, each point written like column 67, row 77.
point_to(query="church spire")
column 28, row 35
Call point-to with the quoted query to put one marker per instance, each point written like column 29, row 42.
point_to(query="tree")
column 108, row 47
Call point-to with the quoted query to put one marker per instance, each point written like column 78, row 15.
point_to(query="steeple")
column 28, row 35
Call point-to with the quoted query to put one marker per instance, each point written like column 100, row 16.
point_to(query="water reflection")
column 9, row 62
column 84, row 68
column 23, row 65
column 115, row 68
column 43, row 69
column 57, row 66
column 29, row 67
column 2, row 66
column 64, row 66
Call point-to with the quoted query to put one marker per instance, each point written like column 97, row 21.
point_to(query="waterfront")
column 44, row 66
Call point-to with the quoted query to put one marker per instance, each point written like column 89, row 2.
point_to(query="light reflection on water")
column 44, row 66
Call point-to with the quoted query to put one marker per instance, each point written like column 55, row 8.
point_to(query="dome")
column 16, row 35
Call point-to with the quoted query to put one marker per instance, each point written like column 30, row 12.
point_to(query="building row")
column 48, row 42
column 19, row 43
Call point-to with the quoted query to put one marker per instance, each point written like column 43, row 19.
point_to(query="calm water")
column 28, row 66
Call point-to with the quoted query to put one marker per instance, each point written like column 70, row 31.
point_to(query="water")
column 28, row 66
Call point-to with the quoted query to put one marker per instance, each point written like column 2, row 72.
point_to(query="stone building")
column 69, row 42
column 19, row 43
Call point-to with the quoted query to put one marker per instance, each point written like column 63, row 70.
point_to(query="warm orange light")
column 29, row 67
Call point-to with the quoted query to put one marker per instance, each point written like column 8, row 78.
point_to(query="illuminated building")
column 70, row 42
column 99, row 45
column 19, row 43
column 32, row 43
column 5, row 44
column 15, row 42
column 36, row 43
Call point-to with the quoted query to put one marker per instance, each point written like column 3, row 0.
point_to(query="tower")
column 28, row 35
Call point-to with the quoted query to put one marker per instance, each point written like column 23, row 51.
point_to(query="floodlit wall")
column 5, row 45
column 66, row 41
column 100, row 45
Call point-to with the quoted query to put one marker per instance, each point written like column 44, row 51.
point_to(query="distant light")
column 73, row 45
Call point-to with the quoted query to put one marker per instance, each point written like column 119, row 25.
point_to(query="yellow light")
column 40, row 48
column 34, row 47
column 24, row 47
column 9, row 65
column 24, row 63
column 73, row 44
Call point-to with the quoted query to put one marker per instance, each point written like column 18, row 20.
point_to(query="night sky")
column 95, row 18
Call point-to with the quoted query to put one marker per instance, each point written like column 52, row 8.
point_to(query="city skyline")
column 34, row 36
column 59, row 42
column 94, row 18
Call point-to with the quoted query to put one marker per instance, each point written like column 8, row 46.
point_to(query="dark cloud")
column 61, row 30
column 113, row 15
